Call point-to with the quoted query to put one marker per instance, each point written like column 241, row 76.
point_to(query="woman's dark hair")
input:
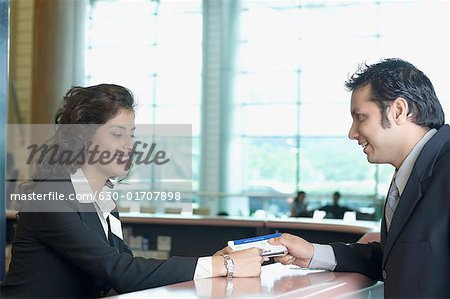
column 393, row 78
column 300, row 192
column 82, row 110
column 94, row 104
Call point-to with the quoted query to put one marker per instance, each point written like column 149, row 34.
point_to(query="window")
column 275, row 111
column 291, row 104
column 154, row 48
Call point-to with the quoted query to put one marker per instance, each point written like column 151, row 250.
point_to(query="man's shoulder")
column 435, row 152
column 327, row 207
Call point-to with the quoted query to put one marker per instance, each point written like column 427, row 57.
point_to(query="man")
column 335, row 210
column 397, row 119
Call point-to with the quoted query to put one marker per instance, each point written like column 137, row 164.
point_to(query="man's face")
column 379, row 144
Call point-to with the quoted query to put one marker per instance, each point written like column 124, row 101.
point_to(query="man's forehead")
column 361, row 96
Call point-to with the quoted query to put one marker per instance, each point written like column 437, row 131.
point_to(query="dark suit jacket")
column 66, row 254
column 413, row 259
column 335, row 211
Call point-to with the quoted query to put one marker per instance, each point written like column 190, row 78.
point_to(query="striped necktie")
column 391, row 204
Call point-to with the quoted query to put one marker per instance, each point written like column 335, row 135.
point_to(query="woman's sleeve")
column 66, row 233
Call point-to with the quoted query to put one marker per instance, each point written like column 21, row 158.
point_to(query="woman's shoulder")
column 49, row 184
column 49, row 195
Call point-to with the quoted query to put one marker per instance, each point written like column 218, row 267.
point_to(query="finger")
column 254, row 250
column 285, row 239
column 227, row 250
column 275, row 241
column 285, row 260
column 266, row 259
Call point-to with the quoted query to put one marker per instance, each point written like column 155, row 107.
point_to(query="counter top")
column 337, row 225
column 276, row 281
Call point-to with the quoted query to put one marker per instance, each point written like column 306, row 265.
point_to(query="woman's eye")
column 117, row 135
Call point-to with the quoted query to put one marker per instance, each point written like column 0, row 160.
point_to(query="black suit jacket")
column 413, row 259
column 66, row 254
column 335, row 211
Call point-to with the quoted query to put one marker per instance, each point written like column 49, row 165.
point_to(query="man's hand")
column 300, row 251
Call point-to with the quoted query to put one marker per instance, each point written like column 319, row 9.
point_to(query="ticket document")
column 261, row 242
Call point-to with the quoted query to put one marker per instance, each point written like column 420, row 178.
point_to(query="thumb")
column 285, row 240
column 275, row 241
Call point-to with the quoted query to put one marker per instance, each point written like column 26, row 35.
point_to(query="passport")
column 261, row 242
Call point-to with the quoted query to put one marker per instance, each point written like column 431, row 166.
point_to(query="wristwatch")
column 229, row 264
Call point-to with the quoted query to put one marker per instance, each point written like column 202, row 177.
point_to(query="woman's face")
column 111, row 147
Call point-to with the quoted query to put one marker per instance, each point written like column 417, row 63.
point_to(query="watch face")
column 229, row 265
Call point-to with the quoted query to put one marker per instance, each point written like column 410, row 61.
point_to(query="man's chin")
column 371, row 159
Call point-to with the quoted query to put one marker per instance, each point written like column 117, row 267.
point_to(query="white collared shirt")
column 402, row 174
column 104, row 208
column 324, row 257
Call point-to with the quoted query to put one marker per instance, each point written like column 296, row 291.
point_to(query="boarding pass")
column 261, row 242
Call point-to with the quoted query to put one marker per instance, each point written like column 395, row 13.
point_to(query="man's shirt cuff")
column 323, row 258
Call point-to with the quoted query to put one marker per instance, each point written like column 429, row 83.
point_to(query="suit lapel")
column 89, row 214
column 406, row 205
column 94, row 223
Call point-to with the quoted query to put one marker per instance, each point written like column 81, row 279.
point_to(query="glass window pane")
column 270, row 162
column 321, row 86
column 178, row 90
column 268, row 56
column 145, row 115
column 154, row 48
column 277, row 87
column 269, row 120
column 331, row 119
column 330, row 164
column 179, row 115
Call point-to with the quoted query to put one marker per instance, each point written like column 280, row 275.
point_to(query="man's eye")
column 117, row 135
column 361, row 117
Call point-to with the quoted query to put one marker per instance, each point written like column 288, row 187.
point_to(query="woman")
column 299, row 208
column 74, row 248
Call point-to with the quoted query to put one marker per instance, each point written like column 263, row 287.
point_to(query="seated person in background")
column 335, row 210
column 299, row 208
column 76, row 248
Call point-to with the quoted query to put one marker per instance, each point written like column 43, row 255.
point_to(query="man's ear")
column 399, row 110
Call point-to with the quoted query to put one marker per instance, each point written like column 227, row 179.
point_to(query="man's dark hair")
column 392, row 78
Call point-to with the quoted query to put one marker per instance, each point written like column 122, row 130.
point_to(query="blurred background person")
column 335, row 210
column 299, row 208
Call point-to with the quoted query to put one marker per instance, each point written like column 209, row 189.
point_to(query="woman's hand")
column 226, row 250
column 247, row 263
